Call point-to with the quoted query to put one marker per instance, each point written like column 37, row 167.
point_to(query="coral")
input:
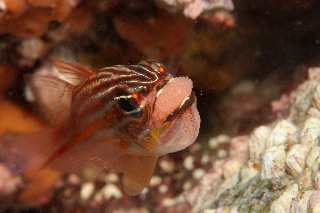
column 280, row 171
column 155, row 37
column 29, row 29
column 193, row 9
column 31, row 18
column 223, row 19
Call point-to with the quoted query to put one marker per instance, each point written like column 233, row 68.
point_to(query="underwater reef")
column 255, row 71
column 275, row 168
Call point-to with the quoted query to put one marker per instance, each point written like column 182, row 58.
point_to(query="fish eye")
column 129, row 106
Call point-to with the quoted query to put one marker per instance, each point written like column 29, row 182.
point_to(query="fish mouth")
column 175, row 116
column 182, row 131
column 186, row 103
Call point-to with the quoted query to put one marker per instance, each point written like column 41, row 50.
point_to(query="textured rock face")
column 275, row 169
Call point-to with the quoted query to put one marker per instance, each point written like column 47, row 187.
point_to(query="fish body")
column 119, row 118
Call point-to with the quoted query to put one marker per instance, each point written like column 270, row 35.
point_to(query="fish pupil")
column 125, row 105
column 128, row 106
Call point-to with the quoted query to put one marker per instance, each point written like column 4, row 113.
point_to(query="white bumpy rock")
column 279, row 172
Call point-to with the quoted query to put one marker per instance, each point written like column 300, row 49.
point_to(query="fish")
column 119, row 118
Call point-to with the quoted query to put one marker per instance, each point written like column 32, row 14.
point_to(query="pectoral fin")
column 137, row 172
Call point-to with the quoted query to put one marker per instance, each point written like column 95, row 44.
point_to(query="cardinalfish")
column 119, row 118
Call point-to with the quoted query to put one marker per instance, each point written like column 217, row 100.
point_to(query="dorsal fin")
column 74, row 73
column 52, row 94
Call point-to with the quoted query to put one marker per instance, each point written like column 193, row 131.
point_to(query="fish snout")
column 182, row 132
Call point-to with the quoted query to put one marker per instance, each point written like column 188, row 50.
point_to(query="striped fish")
column 119, row 118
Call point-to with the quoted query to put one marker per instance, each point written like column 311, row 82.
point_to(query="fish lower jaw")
column 181, row 133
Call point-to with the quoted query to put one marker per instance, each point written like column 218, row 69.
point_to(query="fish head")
column 159, row 117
